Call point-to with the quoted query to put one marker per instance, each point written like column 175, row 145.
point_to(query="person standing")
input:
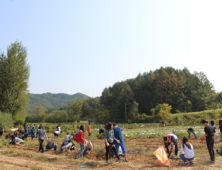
column 209, row 136
column 187, row 151
column 109, row 141
column 41, row 138
column 80, row 138
column 89, row 129
column 220, row 127
column 118, row 135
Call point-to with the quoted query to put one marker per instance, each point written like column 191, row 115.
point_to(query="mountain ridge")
column 51, row 101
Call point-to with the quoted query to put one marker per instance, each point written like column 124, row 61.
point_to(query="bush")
column 6, row 120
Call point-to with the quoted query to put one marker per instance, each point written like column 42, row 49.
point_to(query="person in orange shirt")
column 89, row 129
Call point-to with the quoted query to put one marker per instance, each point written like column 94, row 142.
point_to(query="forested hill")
column 52, row 101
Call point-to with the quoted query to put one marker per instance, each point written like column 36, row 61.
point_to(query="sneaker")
column 118, row 160
column 212, row 162
column 108, row 161
column 126, row 160
column 175, row 156
column 76, row 157
column 185, row 163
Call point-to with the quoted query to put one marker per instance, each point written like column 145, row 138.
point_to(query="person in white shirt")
column 16, row 141
column 67, row 137
column 89, row 147
column 187, row 151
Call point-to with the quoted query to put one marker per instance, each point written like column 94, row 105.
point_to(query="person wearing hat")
column 209, row 136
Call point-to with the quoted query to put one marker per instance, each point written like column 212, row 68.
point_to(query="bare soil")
column 139, row 152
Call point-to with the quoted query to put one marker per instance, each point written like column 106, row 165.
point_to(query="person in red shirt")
column 80, row 138
column 89, row 129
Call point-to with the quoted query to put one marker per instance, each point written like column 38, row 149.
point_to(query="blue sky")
column 84, row 46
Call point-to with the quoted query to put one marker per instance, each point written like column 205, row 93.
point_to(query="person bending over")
column 168, row 140
column 191, row 130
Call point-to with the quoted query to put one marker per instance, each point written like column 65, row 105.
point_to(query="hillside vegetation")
column 50, row 101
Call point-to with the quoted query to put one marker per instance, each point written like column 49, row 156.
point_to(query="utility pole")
column 125, row 113
column 66, row 113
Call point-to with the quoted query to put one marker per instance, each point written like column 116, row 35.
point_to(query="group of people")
column 114, row 141
column 187, row 150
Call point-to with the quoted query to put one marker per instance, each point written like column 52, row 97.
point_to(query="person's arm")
column 45, row 135
column 117, row 140
column 204, row 136
column 91, row 146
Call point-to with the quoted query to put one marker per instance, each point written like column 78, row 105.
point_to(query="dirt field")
column 27, row 157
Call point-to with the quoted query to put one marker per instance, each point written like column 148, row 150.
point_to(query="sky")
column 77, row 46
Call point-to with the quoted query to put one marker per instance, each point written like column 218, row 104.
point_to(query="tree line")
column 152, row 97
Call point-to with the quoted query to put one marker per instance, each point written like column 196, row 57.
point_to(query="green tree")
column 162, row 112
column 40, row 113
column 76, row 110
column 14, row 76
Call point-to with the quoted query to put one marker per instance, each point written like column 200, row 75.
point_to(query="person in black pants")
column 209, row 135
column 41, row 138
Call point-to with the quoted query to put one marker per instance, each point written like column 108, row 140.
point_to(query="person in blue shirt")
column 41, row 138
column 32, row 132
column 118, row 135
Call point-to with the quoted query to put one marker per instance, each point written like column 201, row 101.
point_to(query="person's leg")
column 189, row 134
column 107, row 153
column 124, row 150
column 176, row 146
column 117, row 147
column 55, row 147
column 220, row 136
column 194, row 133
column 41, row 146
column 190, row 160
column 213, row 154
column 210, row 149
column 183, row 158
column 82, row 149
column 114, row 150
